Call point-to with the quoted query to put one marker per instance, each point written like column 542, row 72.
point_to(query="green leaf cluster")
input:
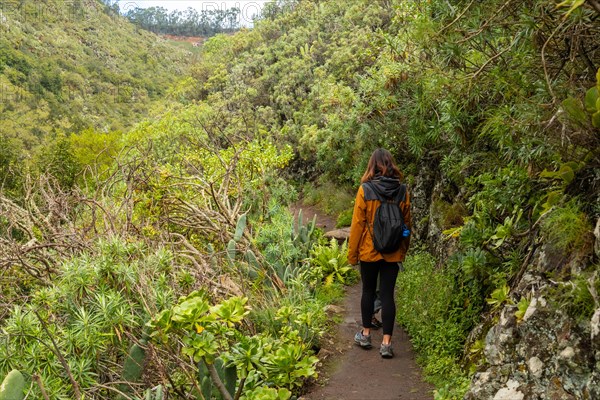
column 438, row 311
column 98, row 303
column 329, row 264
column 215, row 331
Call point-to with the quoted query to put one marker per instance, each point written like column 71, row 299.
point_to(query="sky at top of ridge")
column 248, row 8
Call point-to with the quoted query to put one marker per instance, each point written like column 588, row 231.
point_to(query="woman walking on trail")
column 380, row 182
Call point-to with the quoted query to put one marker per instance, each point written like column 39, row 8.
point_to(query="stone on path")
column 339, row 234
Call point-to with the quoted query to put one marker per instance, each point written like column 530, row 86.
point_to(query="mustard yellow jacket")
column 360, row 246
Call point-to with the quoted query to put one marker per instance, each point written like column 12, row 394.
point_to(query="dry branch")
column 39, row 230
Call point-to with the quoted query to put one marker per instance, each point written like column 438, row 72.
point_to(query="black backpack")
column 388, row 228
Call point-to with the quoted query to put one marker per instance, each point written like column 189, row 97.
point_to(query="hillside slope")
column 492, row 110
column 70, row 66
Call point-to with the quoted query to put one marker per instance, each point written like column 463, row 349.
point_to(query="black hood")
column 386, row 187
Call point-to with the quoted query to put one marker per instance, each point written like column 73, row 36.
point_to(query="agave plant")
column 331, row 265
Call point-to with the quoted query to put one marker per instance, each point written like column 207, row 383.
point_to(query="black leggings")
column 387, row 272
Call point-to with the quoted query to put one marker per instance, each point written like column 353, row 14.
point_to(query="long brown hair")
column 381, row 163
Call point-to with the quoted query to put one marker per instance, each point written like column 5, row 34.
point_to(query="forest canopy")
column 189, row 22
column 159, row 229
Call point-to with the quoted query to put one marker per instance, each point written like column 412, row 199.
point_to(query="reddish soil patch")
column 189, row 39
column 323, row 221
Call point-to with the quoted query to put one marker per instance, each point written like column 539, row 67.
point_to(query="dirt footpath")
column 352, row 373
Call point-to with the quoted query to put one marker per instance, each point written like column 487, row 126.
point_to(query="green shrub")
column 331, row 294
column 449, row 215
column 209, row 332
column 567, row 228
column 96, row 302
column 302, row 308
column 455, row 388
column 286, row 242
column 345, row 218
column 11, row 164
column 329, row 264
column 432, row 309
column 58, row 159
column 328, row 196
column 575, row 296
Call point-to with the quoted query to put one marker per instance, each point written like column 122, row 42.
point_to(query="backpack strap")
column 401, row 198
column 369, row 191
column 371, row 194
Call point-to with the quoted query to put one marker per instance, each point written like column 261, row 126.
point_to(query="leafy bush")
column 431, row 306
column 329, row 264
column 567, row 228
column 448, row 215
column 576, row 296
column 345, row 218
column 58, row 159
column 302, row 311
column 328, row 196
column 286, row 243
column 95, row 309
column 208, row 332
column 95, row 151
column 11, row 167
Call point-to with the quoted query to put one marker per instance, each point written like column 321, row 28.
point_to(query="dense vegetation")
column 72, row 66
column 190, row 22
column 151, row 237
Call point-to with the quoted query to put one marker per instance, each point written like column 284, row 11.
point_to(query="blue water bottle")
column 405, row 231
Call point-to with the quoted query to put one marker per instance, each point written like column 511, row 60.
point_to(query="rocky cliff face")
column 427, row 194
column 547, row 353
column 421, row 199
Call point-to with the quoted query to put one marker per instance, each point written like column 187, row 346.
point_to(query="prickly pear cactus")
column 134, row 363
column 592, row 102
column 13, row 386
column 302, row 235
column 231, row 250
column 240, row 227
column 228, row 376
column 133, row 367
column 253, row 264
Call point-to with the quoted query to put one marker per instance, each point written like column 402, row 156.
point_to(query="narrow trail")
column 352, row 373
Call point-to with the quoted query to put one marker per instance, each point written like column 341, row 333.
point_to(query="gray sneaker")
column 386, row 350
column 363, row 341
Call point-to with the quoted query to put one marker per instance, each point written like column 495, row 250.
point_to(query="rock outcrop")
column 548, row 353
column 341, row 234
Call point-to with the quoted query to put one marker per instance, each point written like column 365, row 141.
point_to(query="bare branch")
column 62, row 360
column 595, row 5
column 38, row 381
column 544, row 63
column 457, row 18
column 217, row 381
